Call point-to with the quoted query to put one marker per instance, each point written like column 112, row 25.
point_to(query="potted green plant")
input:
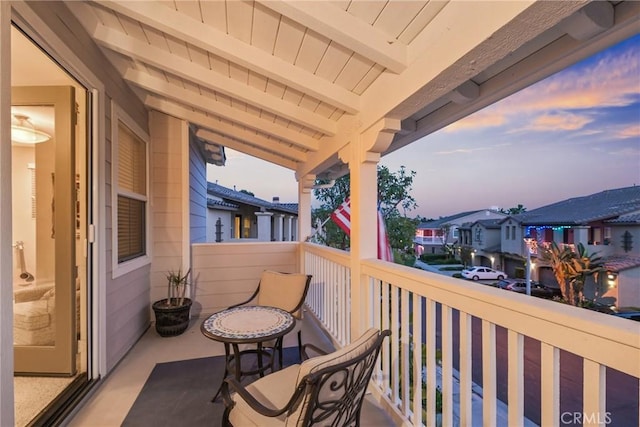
column 172, row 313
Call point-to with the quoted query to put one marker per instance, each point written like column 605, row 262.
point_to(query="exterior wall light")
column 611, row 279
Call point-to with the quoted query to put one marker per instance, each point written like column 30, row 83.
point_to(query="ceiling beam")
column 181, row 67
column 204, row 36
column 246, row 149
column 196, row 100
column 241, row 135
column 346, row 30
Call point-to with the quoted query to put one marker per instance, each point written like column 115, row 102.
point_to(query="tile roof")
column 621, row 262
column 211, row 203
column 437, row 223
column 236, row 196
column 605, row 205
column 239, row 197
column 626, row 219
column 489, row 223
column 286, row 207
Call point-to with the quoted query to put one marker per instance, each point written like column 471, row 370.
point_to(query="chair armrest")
column 234, row 385
column 315, row 349
column 247, row 301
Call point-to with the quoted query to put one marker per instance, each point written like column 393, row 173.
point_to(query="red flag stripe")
column 342, row 218
column 384, row 249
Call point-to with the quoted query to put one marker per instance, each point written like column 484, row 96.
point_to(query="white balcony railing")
column 429, row 240
column 474, row 326
column 329, row 297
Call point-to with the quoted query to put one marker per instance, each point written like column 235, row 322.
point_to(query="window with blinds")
column 132, row 195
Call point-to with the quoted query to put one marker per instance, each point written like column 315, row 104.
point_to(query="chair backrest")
column 284, row 290
column 332, row 387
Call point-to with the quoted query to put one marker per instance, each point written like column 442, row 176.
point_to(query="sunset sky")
column 573, row 134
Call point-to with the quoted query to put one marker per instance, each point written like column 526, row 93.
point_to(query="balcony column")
column 264, row 226
column 303, row 221
column 277, row 227
column 294, row 229
column 362, row 155
column 305, row 184
column 6, row 252
column 287, row 228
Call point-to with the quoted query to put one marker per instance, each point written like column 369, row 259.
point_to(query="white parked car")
column 483, row 273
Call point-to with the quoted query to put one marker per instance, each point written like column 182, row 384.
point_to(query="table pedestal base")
column 233, row 361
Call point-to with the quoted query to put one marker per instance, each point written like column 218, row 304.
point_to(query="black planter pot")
column 171, row 320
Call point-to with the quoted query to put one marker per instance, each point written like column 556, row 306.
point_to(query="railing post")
column 304, row 214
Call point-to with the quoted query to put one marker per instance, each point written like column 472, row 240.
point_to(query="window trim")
column 118, row 115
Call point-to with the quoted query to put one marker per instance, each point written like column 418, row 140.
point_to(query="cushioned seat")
column 34, row 315
column 326, row 390
column 31, row 315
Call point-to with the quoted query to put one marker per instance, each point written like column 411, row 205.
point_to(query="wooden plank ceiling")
column 290, row 81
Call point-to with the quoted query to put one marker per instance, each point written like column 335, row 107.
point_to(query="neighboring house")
column 431, row 236
column 481, row 240
column 235, row 215
column 606, row 223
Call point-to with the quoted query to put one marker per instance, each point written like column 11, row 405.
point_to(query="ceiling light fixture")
column 25, row 132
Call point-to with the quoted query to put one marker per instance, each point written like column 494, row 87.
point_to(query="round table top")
column 248, row 323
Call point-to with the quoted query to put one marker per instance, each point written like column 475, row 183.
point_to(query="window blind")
column 132, row 184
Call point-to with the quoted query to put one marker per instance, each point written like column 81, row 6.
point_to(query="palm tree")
column 558, row 258
column 581, row 267
column 572, row 269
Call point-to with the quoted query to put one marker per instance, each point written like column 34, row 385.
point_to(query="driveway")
column 436, row 269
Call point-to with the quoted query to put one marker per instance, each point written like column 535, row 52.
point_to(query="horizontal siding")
column 127, row 313
column 127, row 297
column 227, row 273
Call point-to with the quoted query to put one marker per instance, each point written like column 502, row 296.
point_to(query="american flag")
column 342, row 218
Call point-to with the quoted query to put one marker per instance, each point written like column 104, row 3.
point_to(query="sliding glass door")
column 45, row 229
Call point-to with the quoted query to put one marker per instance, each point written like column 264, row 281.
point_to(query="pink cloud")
column 610, row 82
column 631, row 131
column 562, row 121
column 482, row 119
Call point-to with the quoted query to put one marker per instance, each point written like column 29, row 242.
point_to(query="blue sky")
column 572, row 134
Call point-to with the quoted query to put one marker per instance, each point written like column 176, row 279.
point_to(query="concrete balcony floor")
column 111, row 401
